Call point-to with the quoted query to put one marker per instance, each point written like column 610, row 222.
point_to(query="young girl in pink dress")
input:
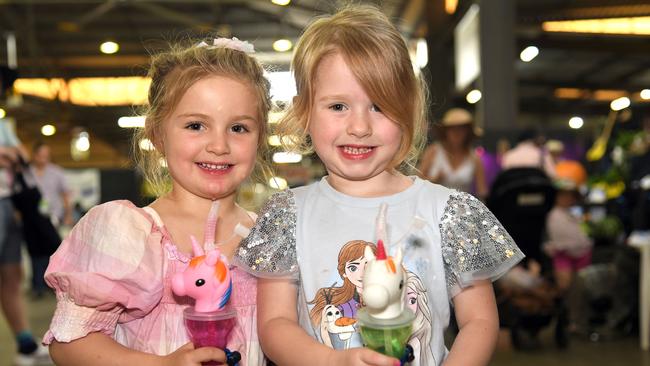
column 207, row 113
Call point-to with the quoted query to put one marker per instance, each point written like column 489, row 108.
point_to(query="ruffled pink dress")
column 113, row 273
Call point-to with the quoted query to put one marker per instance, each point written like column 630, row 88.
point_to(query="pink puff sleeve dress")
column 113, row 273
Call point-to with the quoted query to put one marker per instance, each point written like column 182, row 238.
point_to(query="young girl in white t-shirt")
column 361, row 108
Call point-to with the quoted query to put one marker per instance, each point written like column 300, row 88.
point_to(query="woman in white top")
column 452, row 162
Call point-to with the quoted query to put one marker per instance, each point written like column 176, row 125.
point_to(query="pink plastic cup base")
column 209, row 329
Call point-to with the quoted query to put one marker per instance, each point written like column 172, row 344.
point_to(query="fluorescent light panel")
column 632, row 26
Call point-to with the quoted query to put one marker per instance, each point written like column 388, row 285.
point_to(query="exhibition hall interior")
column 539, row 109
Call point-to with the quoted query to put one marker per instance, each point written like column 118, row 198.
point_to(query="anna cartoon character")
column 347, row 298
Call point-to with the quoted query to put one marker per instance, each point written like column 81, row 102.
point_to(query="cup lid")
column 190, row 313
column 365, row 319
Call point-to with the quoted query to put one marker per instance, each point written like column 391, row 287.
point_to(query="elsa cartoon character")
column 418, row 302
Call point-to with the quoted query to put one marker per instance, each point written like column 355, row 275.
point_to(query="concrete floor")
column 40, row 312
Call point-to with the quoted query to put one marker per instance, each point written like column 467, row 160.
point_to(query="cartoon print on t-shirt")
column 418, row 301
column 334, row 328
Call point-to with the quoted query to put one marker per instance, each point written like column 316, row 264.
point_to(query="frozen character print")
column 418, row 302
column 336, row 330
column 335, row 308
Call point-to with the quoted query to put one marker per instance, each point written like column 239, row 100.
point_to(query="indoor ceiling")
column 61, row 39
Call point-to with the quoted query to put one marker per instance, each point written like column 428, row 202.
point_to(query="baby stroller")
column 521, row 198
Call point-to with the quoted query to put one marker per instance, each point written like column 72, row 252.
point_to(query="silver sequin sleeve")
column 269, row 250
column 475, row 246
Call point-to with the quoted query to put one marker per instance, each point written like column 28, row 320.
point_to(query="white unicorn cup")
column 384, row 321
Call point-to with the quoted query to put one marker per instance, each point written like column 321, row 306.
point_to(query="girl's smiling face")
column 210, row 139
column 350, row 134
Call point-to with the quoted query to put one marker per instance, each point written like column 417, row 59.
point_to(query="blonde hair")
column 172, row 73
column 377, row 55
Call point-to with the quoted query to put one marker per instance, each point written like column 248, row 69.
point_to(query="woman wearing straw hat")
column 452, row 162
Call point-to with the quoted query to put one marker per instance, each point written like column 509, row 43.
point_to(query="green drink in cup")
column 386, row 336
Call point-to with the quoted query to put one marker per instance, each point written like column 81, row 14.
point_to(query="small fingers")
column 377, row 359
column 205, row 354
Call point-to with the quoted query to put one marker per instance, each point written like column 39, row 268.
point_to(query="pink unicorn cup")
column 207, row 279
column 211, row 329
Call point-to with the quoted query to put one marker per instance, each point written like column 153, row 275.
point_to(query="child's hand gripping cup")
column 207, row 279
column 388, row 336
column 385, row 322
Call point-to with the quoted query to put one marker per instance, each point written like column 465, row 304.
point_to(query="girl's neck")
column 185, row 202
column 186, row 214
column 383, row 184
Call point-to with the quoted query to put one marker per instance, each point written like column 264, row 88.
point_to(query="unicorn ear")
column 398, row 256
column 213, row 257
column 196, row 247
column 368, row 254
column 224, row 259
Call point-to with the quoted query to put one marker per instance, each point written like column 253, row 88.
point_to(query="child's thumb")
column 377, row 359
column 187, row 347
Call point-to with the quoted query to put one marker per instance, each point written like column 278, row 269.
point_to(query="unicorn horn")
column 381, row 251
column 211, row 224
column 380, row 222
column 196, row 247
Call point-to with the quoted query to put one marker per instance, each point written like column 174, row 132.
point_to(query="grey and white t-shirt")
column 316, row 236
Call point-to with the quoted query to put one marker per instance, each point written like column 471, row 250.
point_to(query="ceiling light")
column 286, row 157
column 3, row 113
column 48, row 130
column 131, row 122
column 473, row 96
column 632, row 25
column 421, row 53
column 576, row 122
column 92, row 91
column 450, row 6
column 282, row 45
column 283, row 86
column 620, row 103
column 281, row 2
column 568, row 93
column 109, row 47
column 605, row 95
column 274, row 140
column 146, row 145
column 645, row 94
column 529, row 53
column 83, row 142
column 278, row 183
